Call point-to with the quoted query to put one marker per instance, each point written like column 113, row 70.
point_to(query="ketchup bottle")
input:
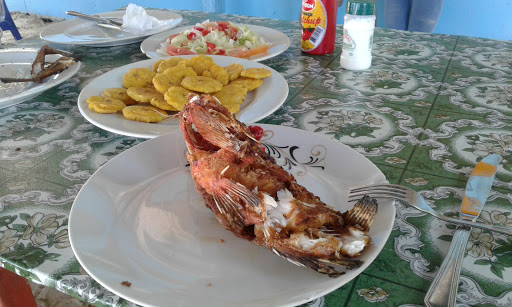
column 318, row 19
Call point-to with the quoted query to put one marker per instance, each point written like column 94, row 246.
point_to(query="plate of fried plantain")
column 252, row 91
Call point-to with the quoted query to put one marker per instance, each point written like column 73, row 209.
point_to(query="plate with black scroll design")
column 140, row 219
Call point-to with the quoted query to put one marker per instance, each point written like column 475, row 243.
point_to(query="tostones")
column 201, row 84
column 156, row 65
column 256, row 73
column 233, row 108
column 234, row 71
column 171, row 62
column 218, row 73
column 177, row 73
column 232, row 94
column 93, row 99
column 177, row 97
column 162, row 82
column 161, row 103
column 142, row 113
column 199, row 63
column 105, row 105
column 118, row 93
column 138, row 77
column 248, row 83
column 143, row 94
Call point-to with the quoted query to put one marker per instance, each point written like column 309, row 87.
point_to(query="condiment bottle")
column 318, row 19
column 358, row 28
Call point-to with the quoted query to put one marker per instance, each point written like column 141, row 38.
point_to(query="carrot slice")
column 247, row 53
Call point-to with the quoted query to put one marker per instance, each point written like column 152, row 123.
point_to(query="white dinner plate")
column 140, row 219
column 258, row 104
column 78, row 31
column 17, row 63
column 277, row 40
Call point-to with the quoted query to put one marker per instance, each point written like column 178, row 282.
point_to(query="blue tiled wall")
column 481, row 18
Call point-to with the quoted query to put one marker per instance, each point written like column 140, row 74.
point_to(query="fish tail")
column 363, row 213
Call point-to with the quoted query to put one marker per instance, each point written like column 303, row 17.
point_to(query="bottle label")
column 348, row 43
column 314, row 23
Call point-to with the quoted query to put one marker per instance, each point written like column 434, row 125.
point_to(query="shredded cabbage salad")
column 215, row 37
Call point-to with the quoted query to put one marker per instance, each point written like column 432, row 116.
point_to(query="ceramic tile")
column 458, row 141
column 424, row 240
column 372, row 290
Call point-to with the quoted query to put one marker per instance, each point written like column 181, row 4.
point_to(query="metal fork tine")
column 383, row 187
column 375, row 194
column 414, row 199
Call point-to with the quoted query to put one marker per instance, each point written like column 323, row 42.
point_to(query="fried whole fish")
column 256, row 199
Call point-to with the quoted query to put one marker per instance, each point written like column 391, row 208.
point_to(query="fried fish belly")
column 256, row 199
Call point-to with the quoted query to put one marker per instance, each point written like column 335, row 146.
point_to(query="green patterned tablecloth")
column 426, row 111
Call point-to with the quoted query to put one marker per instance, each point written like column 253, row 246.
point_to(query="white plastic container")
column 358, row 28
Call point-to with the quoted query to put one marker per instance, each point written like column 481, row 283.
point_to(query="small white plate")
column 17, row 63
column 140, row 219
column 258, row 104
column 277, row 40
column 78, row 31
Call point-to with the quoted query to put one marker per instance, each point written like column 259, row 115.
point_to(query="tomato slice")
column 244, row 52
column 223, row 25
column 210, row 47
column 231, row 32
column 171, row 50
column 205, row 32
column 220, row 52
column 191, row 36
column 198, row 28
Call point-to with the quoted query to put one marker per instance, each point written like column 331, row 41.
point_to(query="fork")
column 415, row 200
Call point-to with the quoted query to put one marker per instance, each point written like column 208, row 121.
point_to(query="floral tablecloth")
column 426, row 111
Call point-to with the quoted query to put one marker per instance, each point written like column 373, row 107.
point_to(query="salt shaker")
column 358, row 28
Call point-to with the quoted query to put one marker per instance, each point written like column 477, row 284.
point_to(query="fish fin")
column 214, row 127
column 229, row 198
column 363, row 213
column 331, row 267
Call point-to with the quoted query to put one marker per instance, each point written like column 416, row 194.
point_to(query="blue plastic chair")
column 8, row 23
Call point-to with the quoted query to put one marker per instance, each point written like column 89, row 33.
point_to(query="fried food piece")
column 177, row 73
column 162, row 82
column 106, row 105
column 94, row 99
column 147, row 114
column 138, row 77
column 201, row 84
column 218, row 73
column 256, row 73
column 171, row 62
column 177, row 97
column 234, row 71
column 199, row 63
column 161, row 103
column 143, row 94
column 233, row 108
column 249, row 83
column 231, row 95
column 156, row 65
column 120, row 94
column 256, row 199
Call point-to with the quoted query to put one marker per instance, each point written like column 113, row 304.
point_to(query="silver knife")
column 443, row 290
column 101, row 21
